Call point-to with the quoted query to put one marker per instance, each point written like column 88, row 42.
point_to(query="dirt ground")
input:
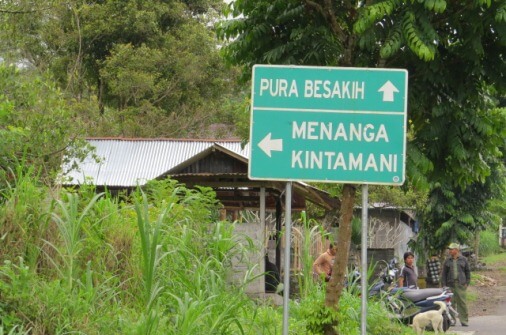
column 487, row 293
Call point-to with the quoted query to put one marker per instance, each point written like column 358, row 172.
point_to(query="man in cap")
column 457, row 275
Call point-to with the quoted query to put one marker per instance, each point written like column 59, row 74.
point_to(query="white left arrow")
column 388, row 90
column 268, row 144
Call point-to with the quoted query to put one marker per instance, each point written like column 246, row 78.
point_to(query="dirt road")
column 487, row 294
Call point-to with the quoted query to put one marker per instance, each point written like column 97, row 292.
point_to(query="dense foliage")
column 454, row 52
column 131, row 68
column 157, row 262
column 34, row 132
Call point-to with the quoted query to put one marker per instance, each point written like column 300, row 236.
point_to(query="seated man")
column 272, row 277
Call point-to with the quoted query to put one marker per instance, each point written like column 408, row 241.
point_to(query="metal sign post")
column 288, row 233
column 363, row 276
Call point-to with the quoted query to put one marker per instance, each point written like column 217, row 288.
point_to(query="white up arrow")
column 268, row 145
column 388, row 90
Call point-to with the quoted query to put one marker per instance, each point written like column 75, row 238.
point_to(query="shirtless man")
column 322, row 266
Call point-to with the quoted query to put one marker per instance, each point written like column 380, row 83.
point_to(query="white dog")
column 422, row 320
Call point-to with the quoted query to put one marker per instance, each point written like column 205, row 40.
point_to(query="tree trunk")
column 336, row 284
column 101, row 107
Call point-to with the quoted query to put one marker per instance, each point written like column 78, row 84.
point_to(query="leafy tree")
column 143, row 68
column 455, row 213
column 454, row 52
column 34, row 132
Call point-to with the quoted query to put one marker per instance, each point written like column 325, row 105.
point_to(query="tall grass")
column 152, row 253
column 200, row 295
column 70, row 221
column 152, row 256
column 24, row 215
column 14, row 331
column 191, row 287
column 311, row 230
column 161, row 266
column 489, row 243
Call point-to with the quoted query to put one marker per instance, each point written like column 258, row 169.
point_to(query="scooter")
column 405, row 303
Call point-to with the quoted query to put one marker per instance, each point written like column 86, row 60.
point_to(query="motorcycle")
column 405, row 303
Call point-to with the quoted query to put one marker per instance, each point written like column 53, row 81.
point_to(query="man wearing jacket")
column 457, row 275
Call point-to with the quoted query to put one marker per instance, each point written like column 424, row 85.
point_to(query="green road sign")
column 329, row 124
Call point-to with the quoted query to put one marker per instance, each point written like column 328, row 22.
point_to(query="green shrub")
column 317, row 318
column 348, row 317
column 489, row 243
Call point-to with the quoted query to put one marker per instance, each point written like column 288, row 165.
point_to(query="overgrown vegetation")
column 489, row 243
column 78, row 262
column 92, row 264
column 155, row 262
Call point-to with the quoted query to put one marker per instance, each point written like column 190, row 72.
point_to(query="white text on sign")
column 339, row 131
column 319, row 89
column 331, row 160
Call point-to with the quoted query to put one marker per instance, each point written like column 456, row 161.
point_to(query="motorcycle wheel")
column 446, row 322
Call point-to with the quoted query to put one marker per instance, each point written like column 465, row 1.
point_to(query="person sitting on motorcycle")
column 408, row 277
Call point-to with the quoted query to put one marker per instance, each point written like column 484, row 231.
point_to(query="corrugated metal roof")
column 132, row 162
